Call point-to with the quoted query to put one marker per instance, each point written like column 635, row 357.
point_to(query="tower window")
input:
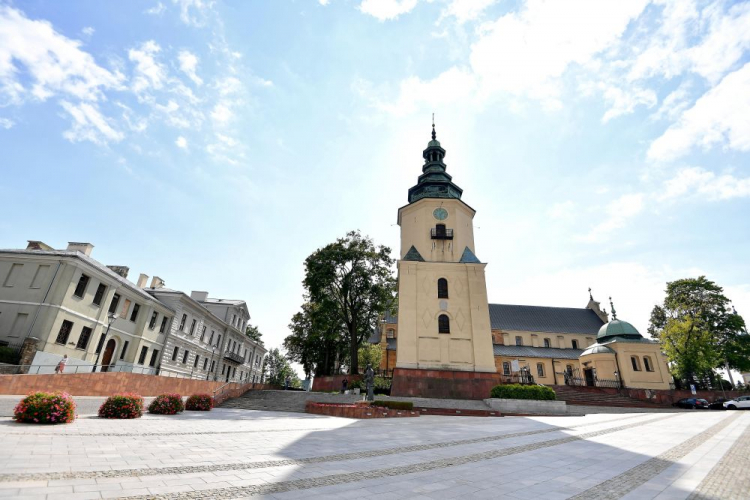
column 636, row 363
column 444, row 324
column 442, row 288
column 647, row 364
column 575, row 344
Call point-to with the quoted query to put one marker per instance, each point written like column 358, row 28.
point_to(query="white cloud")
column 221, row 113
column 50, row 62
column 324, row 2
column 181, row 142
column 6, row 123
column 454, row 85
column 149, row 74
column 194, row 12
column 465, row 10
column 157, row 9
column 385, row 10
column 562, row 210
column 88, row 31
column 624, row 101
column 188, row 65
column 695, row 181
column 675, row 103
column 89, row 124
column 721, row 116
column 617, row 213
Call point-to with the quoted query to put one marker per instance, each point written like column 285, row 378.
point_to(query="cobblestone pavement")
column 254, row 454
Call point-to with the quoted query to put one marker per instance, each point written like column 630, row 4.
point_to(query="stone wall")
column 443, row 384
column 330, row 383
column 527, row 406
column 106, row 384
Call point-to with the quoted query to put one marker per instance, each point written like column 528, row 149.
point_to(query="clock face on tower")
column 440, row 213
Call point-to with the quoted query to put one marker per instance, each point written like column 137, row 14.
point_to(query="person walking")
column 60, row 368
column 344, row 385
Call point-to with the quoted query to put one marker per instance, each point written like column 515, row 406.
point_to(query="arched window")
column 547, row 343
column 444, row 324
column 540, row 369
column 647, row 364
column 636, row 363
column 519, row 340
column 575, row 344
column 506, row 368
column 440, row 231
column 442, row 288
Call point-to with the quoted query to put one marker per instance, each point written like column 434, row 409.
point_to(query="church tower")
column 443, row 316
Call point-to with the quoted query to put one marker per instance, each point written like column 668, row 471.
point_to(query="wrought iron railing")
column 517, row 378
column 441, row 234
column 576, row 378
column 233, row 356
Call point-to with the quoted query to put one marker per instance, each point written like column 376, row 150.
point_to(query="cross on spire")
column 614, row 313
column 434, row 135
column 590, row 296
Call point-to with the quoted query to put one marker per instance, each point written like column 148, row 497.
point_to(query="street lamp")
column 111, row 317
column 213, row 351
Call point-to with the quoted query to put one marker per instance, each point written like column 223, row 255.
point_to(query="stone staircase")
column 591, row 396
column 293, row 401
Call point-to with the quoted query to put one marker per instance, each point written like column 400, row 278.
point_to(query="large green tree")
column 276, row 370
column 699, row 330
column 318, row 340
column 349, row 284
column 254, row 333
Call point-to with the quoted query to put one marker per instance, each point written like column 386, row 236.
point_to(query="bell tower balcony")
column 439, row 232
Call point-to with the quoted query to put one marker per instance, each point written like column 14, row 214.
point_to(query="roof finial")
column 590, row 296
column 614, row 313
column 434, row 135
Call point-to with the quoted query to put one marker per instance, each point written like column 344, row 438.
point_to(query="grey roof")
column 597, row 349
column 521, row 351
column 93, row 263
column 468, row 257
column 413, row 255
column 234, row 302
column 544, row 319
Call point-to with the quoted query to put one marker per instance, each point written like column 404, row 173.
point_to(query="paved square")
column 230, row 453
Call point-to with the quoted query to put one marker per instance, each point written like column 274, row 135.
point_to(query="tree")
column 698, row 330
column 318, row 340
column 276, row 369
column 370, row 353
column 253, row 333
column 351, row 281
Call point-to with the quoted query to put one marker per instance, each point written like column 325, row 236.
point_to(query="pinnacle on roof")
column 434, row 181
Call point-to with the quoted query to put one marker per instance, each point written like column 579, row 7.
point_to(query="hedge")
column 394, row 405
column 199, row 402
column 166, row 404
column 122, row 406
column 517, row 391
column 46, row 408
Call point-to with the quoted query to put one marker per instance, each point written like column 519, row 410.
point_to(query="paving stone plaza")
column 231, row 453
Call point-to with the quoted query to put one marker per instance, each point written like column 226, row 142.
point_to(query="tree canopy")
column 698, row 329
column 254, row 333
column 348, row 284
column 276, row 369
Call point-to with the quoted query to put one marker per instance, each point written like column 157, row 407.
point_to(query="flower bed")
column 166, row 404
column 199, row 402
column 348, row 410
column 46, row 408
column 122, row 406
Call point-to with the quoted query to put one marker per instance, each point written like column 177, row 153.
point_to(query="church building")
column 449, row 341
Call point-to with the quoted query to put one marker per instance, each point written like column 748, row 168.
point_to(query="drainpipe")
column 554, row 374
column 619, row 372
column 46, row 294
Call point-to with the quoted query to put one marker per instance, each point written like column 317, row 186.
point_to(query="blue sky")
column 216, row 144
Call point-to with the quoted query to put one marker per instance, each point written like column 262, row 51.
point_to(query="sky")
column 216, row 144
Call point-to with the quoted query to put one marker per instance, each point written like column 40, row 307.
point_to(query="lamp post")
column 213, row 351
column 111, row 317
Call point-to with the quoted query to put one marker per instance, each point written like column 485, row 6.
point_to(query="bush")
column 199, row 402
column 9, row 355
column 122, row 406
column 46, row 408
column 395, row 405
column 517, row 391
column 166, row 404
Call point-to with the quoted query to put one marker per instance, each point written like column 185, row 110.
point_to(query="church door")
column 589, row 374
column 107, row 357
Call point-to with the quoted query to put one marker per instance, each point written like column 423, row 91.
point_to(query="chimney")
column 121, row 270
column 199, row 296
column 84, row 248
column 37, row 245
column 142, row 280
column 157, row 282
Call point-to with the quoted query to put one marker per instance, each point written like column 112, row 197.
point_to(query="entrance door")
column 107, row 357
column 589, row 374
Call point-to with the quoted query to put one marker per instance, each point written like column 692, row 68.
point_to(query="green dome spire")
column 617, row 328
column 434, row 181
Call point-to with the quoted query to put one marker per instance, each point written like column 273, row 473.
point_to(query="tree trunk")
column 354, row 364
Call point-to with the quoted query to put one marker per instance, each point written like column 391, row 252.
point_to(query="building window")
column 10, row 280
column 83, row 340
column 113, row 304
column 506, row 368
column 154, row 357
column 444, row 324
column 205, row 363
column 195, row 362
column 192, row 326
column 124, row 349
column 547, row 343
column 440, row 231
column 647, row 364
column 390, row 333
column 211, row 338
column 519, row 340
column 142, row 357
column 218, row 341
column 569, row 369
column 540, row 369
column 163, row 324
column 125, row 309
column 134, row 314
column 64, row 333
column 223, row 368
column 182, row 321
column 101, row 343
column 19, row 324
column 212, row 366
column 575, row 344
column 99, row 295
column 636, row 363
column 83, row 282
column 185, row 356
column 39, row 276
column 203, row 333
column 152, row 323
column 174, row 353
column 442, row 288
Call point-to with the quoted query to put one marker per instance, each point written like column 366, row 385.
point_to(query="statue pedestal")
column 443, row 384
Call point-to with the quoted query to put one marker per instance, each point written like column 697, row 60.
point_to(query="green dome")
column 618, row 328
column 597, row 349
